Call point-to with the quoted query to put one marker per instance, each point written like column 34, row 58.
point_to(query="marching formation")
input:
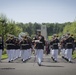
column 66, row 44
column 24, row 46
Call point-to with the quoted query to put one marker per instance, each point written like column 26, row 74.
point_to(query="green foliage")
column 74, row 54
column 8, row 26
column 49, row 37
column 52, row 28
column 70, row 28
column 30, row 28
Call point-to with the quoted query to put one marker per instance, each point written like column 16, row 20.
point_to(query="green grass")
column 74, row 54
column 49, row 37
column 4, row 56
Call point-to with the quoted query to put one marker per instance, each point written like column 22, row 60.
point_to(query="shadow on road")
column 7, row 68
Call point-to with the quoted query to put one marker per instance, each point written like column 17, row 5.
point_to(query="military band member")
column 10, row 47
column 54, row 44
column 63, row 43
column 17, row 48
column 25, row 47
column 30, row 47
column 1, row 46
column 69, row 47
column 39, row 46
column 51, row 46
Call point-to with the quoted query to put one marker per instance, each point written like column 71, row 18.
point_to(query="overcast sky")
column 39, row 10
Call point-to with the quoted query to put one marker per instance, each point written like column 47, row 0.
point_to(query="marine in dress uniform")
column 51, row 46
column 63, row 43
column 25, row 46
column 69, row 47
column 30, row 47
column 10, row 46
column 1, row 46
column 39, row 47
column 54, row 51
column 17, row 48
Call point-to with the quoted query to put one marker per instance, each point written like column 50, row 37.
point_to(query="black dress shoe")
column 21, row 59
column 39, row 64
column 9, row 61
column 63, row 57
column 24, row 61
column 52, row 58
column 55, row 60
column 70, row 62
column 66, row 59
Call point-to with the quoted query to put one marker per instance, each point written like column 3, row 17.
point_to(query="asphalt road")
column 62, row 67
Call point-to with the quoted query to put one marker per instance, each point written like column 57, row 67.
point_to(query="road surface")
column 49, row 67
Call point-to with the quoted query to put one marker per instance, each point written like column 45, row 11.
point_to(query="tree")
column 70, row 28
column 9, row 26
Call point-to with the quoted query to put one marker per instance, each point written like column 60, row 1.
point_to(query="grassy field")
column 4, row 56
column 74, row 54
